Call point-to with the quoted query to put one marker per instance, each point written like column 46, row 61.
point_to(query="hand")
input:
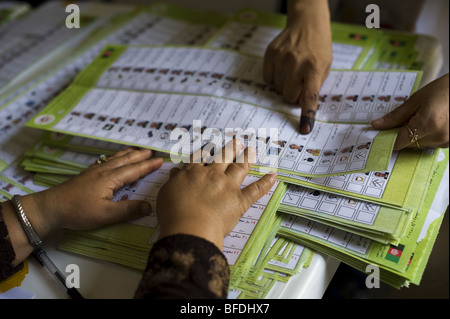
column 298, row 61
column 426, row 111
column 85, row 201
column 206, row 200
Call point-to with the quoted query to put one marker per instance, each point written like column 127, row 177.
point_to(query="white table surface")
column 104, row 280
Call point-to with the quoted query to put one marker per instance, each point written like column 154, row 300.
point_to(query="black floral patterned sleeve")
column 7, row 254
column 185, row 266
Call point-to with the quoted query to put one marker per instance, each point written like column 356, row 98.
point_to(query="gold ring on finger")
column 414, row 137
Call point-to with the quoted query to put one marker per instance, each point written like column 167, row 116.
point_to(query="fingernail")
column 273, row 175
column 158, row 159
column 377, row 122
column 306, row 124
column 239, row 145
column 251, row 154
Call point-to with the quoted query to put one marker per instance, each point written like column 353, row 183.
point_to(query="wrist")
column 211, row 234
column 35, row 213
column 38, row 210
column 300, row 12
column 299, row 5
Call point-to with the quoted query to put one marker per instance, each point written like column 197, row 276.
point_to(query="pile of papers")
column 341, row 190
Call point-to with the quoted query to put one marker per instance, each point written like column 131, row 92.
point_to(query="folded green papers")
column 399, row 264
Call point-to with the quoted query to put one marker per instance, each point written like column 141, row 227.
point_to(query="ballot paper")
column 401, row 185
column 341, row 189
column 399, row 264
column 159, row 23
column 195, row 88
column 135, row 238
column 257, row 261
column 379, row 223
column 251, row 31
column 156, row 24
column 354, row 46
column 30, row 40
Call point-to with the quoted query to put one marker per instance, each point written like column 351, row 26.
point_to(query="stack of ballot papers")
column 401, row 260
column 253, row 262
column 341, row 190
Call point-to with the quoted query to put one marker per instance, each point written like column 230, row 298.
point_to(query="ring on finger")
column 102, row 159
column 414, row 136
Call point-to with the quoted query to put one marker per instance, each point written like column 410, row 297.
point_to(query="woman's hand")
column 298, row 61
column 206, row 200
column 424, row 114
column 85, row 201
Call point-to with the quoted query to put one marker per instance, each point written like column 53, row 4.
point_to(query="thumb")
column 126, row 210
column 255, row 191
column 395, row 118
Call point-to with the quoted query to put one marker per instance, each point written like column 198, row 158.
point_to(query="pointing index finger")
column 309, row 99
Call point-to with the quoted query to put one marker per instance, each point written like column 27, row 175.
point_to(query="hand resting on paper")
column 197, row 208
column 206, row 200
column 83, row 202
column 423, row 118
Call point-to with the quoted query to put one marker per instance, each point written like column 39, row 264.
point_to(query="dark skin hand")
column 298, row 60
column 426, row 112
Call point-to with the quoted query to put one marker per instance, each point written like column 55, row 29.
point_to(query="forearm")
column 299, row 11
